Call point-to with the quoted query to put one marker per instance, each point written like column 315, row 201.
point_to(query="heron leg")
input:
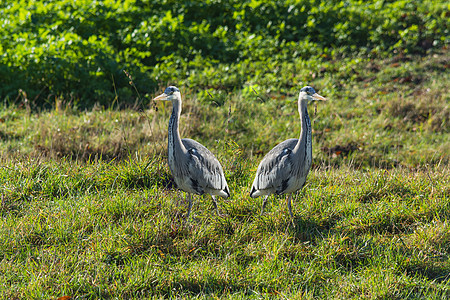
column 188, row 197
column 289, row 205
column 264, row 204
column 215, row 205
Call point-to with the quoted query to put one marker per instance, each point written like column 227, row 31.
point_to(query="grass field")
column 89, row 209
column 99, row 230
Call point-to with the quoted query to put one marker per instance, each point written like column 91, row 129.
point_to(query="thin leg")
column 264, row 204
column 215, row 205
column 188, row 197
column 289, row 205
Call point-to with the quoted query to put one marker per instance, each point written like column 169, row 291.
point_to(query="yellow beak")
column 163, row 96
column 318, row 97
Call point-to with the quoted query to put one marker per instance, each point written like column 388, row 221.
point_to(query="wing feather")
column 204, row 167
column 275, row 168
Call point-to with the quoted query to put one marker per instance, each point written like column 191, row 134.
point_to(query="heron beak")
column 163, row 96
column 318, row 97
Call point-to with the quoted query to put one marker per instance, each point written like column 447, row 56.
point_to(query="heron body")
column 194, row 168
column 284, row 168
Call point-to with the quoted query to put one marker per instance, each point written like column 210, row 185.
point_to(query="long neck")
column 175, row 144
column 305, row 134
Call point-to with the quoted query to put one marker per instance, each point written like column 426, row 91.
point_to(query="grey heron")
column 194, row 168
column 284, row 169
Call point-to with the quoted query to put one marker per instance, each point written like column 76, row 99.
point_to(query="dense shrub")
column 79, row 50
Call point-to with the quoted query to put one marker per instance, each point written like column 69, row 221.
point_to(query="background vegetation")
column 78, row 50
column 88, row 207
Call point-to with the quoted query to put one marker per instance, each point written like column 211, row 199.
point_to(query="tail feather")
column 227, row 190
column 253, row 192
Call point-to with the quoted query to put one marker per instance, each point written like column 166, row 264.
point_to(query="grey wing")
column 204, row 167
column 275, row 169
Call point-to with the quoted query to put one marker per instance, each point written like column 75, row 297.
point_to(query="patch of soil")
column 342, row 150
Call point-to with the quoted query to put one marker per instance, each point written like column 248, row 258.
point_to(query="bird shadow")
column 301, row 229
column 305, row 229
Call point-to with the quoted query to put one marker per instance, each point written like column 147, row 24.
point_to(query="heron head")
column 170, row 93
column 308, row 93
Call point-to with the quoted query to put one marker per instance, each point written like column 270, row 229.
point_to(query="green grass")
column 102, row 230
column 89, row 209
column 382, row 118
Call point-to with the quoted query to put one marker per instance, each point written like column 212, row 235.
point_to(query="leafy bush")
column 79, row 50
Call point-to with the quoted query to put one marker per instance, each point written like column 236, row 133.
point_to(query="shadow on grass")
column 208, row 286
column 437, row 272
column 5, row 136
column 300, row 228
column 12, row 206
column 310, row 230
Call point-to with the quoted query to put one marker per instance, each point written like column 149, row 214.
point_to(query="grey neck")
column 174, row 140
column 304, row 140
